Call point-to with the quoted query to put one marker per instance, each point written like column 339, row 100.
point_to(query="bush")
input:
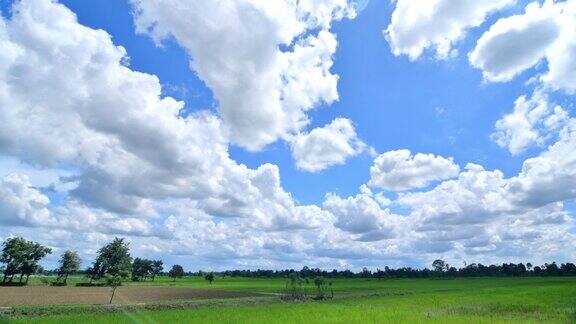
column 294, row 289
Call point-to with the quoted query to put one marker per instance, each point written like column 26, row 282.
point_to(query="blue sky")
column 395, row 103
column 446, row 107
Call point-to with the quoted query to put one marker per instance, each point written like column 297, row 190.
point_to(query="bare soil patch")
column 43, row 295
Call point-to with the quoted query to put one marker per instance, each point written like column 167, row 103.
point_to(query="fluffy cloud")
column 363, row 215
column 20, row 204
column 400, row 170
column 517, row 43
column 74, row 101
column 532, row 122
column 438, row 24
column 126, row 162
column 551, row 176
column 267, row 62
column 326, row 146
column 477, row 214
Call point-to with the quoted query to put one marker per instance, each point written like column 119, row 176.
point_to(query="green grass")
column 475, row 300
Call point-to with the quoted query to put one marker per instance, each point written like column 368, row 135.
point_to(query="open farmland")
column 471, row 300
column 42, row 295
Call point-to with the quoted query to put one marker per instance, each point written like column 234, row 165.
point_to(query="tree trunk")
column 65, row 278
column 21, row 276
column 5, row 276
column 27, row 277
column 113, row 291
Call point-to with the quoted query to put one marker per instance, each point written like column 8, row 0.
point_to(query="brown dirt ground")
column 43, row 295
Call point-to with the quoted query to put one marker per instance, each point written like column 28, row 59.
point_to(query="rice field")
column 470, row 300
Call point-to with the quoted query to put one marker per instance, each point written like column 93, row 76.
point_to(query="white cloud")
column 21, row 204
column 438, row 24
column 263, row 91
column 551, row 176
column 326, row 146
column 532, row 122
column 72, row 107
column 74, row 101
column 400, row 170
column 363, row 216
column 517, row 43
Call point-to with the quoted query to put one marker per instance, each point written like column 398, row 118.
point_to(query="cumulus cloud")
column 134, row 166
column 267, row 62
column 363, row 215
column 551, row 176
column 21, row 204
column 533, row 121
column 400, row 170
column 73, row 100
column 436, row 24
column 517, row 43
column 326, row 146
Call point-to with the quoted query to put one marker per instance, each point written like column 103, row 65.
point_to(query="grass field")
column 474, row 300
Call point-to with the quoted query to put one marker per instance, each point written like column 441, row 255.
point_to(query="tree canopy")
column 21, row 257
column 113, row 259
column 69, row 264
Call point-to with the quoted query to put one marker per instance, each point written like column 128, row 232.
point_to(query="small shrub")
column 294, row 289
column 321, row 288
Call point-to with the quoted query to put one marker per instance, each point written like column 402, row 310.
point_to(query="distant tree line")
column 439, row 269
column 114, row 264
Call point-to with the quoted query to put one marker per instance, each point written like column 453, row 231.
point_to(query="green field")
column 474, row 300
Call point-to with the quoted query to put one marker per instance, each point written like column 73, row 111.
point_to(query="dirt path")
column 42, row 295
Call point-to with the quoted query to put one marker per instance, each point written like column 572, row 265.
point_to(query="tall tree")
column 21, row 257
column 33, row 253
column 69, row 264
column 12, row 256
column 156, row 269
column 209, row 277
column 141, row 268
column 176, row 272
column 113, row 259
column 440, row 265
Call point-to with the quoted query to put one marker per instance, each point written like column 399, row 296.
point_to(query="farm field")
column 473, row 300
column 42, row 295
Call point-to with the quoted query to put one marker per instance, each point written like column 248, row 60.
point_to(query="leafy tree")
column 69, row 264
column 144, row 268
column 21, row 256
column 176, row 272
column 141, row 268
column 440, row 265
column 156, row 268
column 12, row 256
column 115, row 281
column 209, row 277
column 113, row 259
column 366, row 273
